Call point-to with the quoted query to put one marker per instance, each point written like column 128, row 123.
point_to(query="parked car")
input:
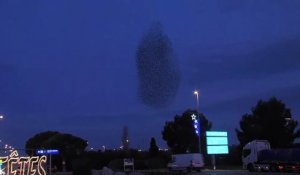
column 186, row 162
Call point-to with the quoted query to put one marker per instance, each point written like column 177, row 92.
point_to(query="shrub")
column 116, row 164
column 156, row 163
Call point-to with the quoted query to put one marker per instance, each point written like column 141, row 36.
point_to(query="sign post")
column 49, row 152
column 217, row 143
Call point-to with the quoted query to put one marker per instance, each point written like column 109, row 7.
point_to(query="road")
column 238, row 172
column 205, row 172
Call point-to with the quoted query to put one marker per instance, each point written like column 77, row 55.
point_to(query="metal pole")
column 213, row 161
column 50, row 164
column 198, row 116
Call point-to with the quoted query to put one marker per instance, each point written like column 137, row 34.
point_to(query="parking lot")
column 204, row 172
column 237, row 172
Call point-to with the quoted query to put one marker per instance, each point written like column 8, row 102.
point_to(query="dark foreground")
column 204, row 172
column 237, row 172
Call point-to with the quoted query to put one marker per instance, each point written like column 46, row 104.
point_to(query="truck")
column 186, row 162
column 257, row 155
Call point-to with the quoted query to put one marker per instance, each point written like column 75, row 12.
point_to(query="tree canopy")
column 180, row 134
column 153, row 150
column 269, row 120
column 66, row 143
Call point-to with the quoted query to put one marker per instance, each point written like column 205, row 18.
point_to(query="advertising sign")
column 16, row 165
column 217, row 142
column 48, row 151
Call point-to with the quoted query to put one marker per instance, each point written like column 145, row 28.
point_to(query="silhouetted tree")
column 270, row 120
column 68, row 145
column 153, row 150
column 39, row 141
column 180, row 134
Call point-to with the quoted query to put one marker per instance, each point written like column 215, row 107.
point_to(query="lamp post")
column 196, row 93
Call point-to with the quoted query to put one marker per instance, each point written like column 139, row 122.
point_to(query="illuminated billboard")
column 16, row 165
column 217, row 142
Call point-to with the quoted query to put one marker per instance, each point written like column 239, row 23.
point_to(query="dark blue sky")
column 70, row 65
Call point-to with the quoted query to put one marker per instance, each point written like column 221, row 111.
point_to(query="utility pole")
column 196, row 93
column 125, row 138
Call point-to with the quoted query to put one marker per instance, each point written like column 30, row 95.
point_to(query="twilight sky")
column 69, row 66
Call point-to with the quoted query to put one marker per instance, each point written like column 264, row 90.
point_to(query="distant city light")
column 163, row 149
column 103, row 148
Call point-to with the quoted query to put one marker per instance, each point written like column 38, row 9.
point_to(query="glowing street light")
column 196, row 93
column 198, row 130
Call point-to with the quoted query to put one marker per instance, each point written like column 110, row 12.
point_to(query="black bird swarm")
column 158, row 71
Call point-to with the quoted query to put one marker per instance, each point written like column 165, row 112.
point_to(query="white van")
column 186, row 162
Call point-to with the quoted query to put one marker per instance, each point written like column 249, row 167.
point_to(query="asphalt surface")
column 204, row 172
column 237, row 172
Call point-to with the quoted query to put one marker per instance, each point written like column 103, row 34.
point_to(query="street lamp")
column 196, row 93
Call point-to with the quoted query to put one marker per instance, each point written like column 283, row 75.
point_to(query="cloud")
column 6, row 68
column 279, row 57
column 282, row 56
column 7, row 72
column 230, row 5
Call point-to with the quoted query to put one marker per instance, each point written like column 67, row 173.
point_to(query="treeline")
column 113, row 159
column 269, row 120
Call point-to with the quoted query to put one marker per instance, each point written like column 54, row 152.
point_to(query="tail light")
column 280, row 167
